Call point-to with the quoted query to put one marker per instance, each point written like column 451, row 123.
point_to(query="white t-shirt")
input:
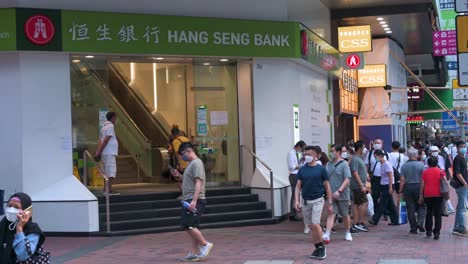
column 393, row 158
column 112, row 147
column 377, row 172
column 454, row 152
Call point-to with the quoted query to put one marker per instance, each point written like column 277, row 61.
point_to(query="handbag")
column 40, row 257
column 444, row 188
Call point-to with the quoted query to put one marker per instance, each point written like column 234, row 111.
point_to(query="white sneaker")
column 205, row 250
column 306, row 230
column 190, row 257
column 348, row 237
column 326, row 238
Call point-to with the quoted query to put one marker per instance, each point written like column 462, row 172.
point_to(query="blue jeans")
column 461, row 209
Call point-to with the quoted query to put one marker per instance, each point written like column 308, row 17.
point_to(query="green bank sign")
column 154, row 34
column 101, row 32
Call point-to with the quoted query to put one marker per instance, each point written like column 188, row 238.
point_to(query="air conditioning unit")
column 416, row 69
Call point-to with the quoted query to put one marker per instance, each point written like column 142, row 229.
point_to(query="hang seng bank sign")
column 130, row 33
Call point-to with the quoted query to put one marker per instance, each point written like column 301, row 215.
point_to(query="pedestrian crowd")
column 360, row 187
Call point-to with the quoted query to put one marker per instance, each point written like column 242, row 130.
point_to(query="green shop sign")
column 101, row 32
column 155, row 34
column 7, row 29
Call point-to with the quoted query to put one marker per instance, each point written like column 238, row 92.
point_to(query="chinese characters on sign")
column 125, row 34
column 372, row 76
column 447, row 4
column 355, row 39
column 444, row 42
column 348, row 84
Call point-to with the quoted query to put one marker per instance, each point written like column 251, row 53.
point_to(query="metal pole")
column 85, row 168
column 462, row 117
column 138, row 167
column 272, row 195
column 106, row 182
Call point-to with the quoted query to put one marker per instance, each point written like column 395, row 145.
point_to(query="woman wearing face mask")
column 20, row 237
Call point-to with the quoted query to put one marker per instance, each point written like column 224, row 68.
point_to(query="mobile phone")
column 28, row 210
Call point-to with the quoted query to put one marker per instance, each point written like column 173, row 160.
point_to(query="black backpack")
column 396, row 172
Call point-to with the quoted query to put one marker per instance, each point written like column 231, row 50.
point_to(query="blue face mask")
column 185, row 157
column 463, row 151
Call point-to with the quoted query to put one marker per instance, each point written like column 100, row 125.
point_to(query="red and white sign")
column 444, row 42
column 353, row 61
column 39, row 29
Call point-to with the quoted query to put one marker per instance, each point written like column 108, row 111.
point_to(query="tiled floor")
column 272, row 244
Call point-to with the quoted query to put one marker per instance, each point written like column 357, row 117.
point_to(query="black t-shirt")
column 312, row 178
column 459, row 166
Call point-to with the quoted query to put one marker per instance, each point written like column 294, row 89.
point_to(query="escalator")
column 143, row 137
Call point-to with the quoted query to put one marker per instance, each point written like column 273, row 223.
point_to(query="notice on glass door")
column 218, row 118
column 202, row 126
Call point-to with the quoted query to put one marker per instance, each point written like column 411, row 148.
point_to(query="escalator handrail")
column 121, row 108
column 139, row 101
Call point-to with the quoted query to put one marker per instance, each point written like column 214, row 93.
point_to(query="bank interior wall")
column 36, row 130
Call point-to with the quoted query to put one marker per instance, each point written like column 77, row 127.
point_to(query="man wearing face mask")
column 20, row 238
column 358, row 187
column 294, row 156
column 340, row 175
column 460, row 183
column 434, row 152
column 373, row 167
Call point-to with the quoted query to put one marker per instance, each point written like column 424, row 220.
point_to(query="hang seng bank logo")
column 39, row 30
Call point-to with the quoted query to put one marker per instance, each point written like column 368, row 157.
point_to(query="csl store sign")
column 317, row 51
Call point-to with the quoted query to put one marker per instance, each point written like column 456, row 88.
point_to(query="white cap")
column 433, row 149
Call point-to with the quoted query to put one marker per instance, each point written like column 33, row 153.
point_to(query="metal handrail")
column 121, row 108
column 87, row 155
column 272, row 195
column 139, row 101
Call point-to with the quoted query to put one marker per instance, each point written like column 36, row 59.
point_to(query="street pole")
column 462, row 117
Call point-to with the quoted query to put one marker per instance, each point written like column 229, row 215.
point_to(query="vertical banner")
column 202, row 122
column 297, row 134
column 102, row 117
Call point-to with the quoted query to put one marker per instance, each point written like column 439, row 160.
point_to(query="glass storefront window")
column 149, row 97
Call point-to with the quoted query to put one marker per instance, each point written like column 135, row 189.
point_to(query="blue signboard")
column 449, row 124
column 452, row 65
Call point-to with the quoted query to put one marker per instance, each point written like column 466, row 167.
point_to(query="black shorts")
column 359, row 197
column 189, row 220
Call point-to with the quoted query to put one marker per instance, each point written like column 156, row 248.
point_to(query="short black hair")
column 438, row 143
column 337, row 147
column 432, row 161
column 300, row 144
column 396, row 145
column 379, row 153
column 402, row 150
column 184, row 146
column 110, row 115
column 358, row 145
column 314, row 148
column 175, row 131
column 459, row 143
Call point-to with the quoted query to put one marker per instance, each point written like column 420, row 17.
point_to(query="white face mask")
column 377, row 146
column 434, row 154
column 11, row 215
column 308, row 159
column 424, row 157
column 364, row 151
column 344, row 155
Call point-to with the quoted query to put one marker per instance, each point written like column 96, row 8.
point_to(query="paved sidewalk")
column 283, row 243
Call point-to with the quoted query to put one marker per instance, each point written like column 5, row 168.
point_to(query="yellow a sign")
column 456, row 85
column 355, row 39
column 372, row 76
column 462, row 34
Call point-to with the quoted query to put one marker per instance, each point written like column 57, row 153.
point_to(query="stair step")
column 174, row 228
column 170, row 203
column 175, row 212
column 173, row 195
column 170, row 221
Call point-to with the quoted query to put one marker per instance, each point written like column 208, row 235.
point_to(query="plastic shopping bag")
column 403, row 219
column 370, row 205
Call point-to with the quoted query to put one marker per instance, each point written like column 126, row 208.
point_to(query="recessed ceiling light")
column 385, row 26
column 159, row 58
column 389, row 32
column 206, row 64
column 383, row 22
column 380, row 18
column 223, row 60
column 76, row 61
column 89, row 56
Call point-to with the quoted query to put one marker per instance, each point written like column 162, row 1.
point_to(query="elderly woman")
column 430, row 195
column 20, row 238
